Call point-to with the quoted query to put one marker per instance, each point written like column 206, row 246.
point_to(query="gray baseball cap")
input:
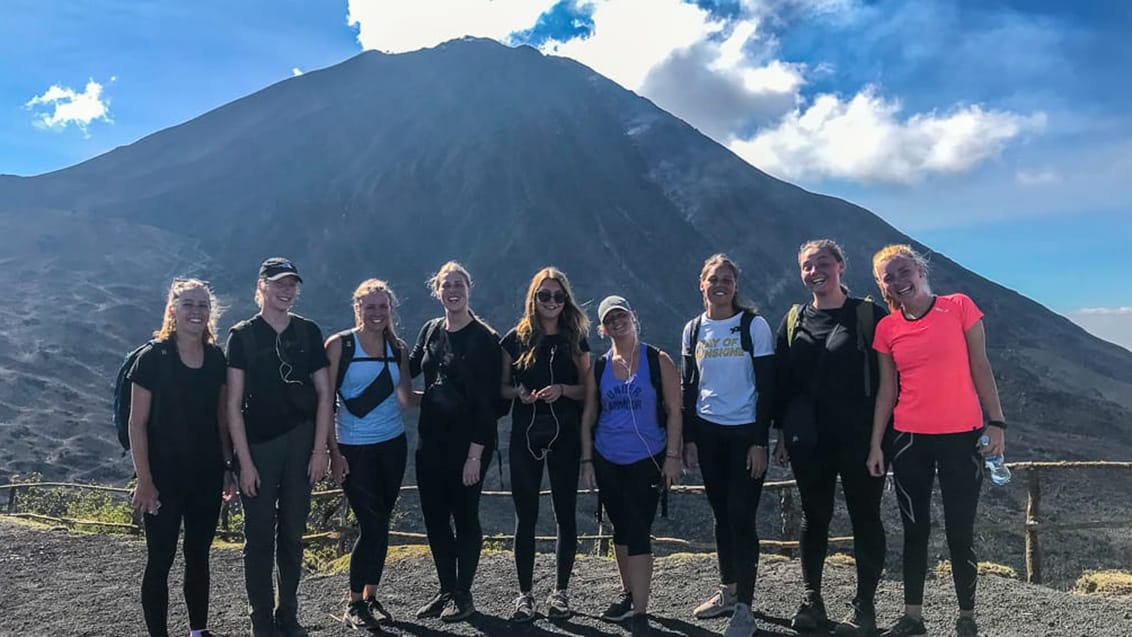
column 610, row 303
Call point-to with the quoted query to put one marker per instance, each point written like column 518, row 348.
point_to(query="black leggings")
column 562, row 463
column 917, row 460
column 629, row 493
column 734, row 498
column 199, row 507
column 816, row 468
column 445, row 502
column 372, row 486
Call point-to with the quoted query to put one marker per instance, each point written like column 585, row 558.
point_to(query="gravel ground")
column 56, row 582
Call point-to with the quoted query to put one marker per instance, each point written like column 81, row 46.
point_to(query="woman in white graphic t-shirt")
column 728, row 354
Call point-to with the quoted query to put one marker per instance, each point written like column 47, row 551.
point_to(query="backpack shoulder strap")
column 793, row 320
column 866, row 326
column 652, row 354
column 346, row 338
column 745, row 332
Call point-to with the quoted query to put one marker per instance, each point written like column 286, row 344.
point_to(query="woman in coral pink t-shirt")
column 931, row 352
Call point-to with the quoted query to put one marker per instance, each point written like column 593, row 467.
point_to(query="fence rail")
column 1032, row 525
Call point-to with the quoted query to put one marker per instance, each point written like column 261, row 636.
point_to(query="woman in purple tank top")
column 632, row 456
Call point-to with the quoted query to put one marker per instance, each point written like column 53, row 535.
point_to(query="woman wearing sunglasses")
column 460, row 358
column 545, row 358
column 633, row 400
column 178, row 442
column 279, row 414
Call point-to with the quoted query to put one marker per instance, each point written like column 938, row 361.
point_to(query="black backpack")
column 652, row 354
column 346, row 337
column 690, row 376
column 123, row 389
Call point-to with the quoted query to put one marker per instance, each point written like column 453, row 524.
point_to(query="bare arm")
column 886, row 397
column 981, row 372
column 589, row 416
column 578, row 392
column 334, row 355
column 406, row 397
column 323, row 417
column 140, row 400
column 507, row 391
column 670, row 386
column 236, row 427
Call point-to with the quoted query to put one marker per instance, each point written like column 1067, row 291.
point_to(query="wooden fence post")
column 12, row 499
column 1033, row 511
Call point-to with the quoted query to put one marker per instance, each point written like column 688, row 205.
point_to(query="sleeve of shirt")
column 416, row 357
column 235, row 351
column 881, row 340
column 144, row 372
column 781, row 373
column 488, row 359
column 510, row 344
column 762, row 341
column 316, row 358
column 584, row 344
column 218, row 363
column 968, row 311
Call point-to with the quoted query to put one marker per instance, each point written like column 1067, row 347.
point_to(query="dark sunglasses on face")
column 546, row 296
column 613, row 317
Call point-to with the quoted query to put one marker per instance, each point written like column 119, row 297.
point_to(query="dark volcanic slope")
column 501, row 158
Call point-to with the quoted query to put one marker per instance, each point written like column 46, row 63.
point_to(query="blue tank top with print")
column 384, row 422
column 627, row 430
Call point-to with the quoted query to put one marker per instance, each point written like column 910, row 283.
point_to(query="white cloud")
column 296, row 71
column 395, row 26
column 723, row 76
column 1113, row 324
column 865, row 139
column 67, row 107
column 1036, row 177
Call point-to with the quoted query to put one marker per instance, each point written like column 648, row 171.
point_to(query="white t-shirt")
column 727, row 378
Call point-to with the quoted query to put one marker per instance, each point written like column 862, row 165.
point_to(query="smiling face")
column 550, row 299
column 373, row 311
column 279, row 295
column 821, row 271
column 619, row 323
column 718, row 285
column 453, row 291
column 901, row 279
column 191, row 311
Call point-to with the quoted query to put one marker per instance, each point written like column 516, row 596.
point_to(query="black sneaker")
column 358, row 615
column 862, row 622
column 524, row 608
column 434, row 607
column 263, row 626
column 378, row 611
column 640, row 625
column 907, row 627
column 619, row 610
column 810, row 615
column 458, row 608
column 966, row 627
column 558, row 606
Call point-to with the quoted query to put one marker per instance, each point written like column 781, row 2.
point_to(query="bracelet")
column 997, row 423
column 672, row 455
column 586, row 460
column 473, row 459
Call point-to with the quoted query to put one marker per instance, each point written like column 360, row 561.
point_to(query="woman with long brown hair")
column 545, row 359
column 179, row 445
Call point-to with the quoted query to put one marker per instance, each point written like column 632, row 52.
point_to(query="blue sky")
column 1000, row 133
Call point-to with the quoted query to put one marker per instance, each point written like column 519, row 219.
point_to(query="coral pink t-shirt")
column 937, row 393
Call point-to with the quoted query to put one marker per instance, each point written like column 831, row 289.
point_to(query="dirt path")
column 55, row 582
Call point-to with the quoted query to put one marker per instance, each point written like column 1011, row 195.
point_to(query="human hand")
column 997, row 436
column 550, row 393
column 145, row 497
column 781, row 455
column 339, row 467
column 231, row 486
column 471, row 471
column 691, row 455
column 875, row 463
column 672, row 470
column 756, row 461
column 316, row 468
column 525, row 396
column 249, row 480
column 589, row 481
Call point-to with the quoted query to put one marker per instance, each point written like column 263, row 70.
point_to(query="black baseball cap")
column 276, row 268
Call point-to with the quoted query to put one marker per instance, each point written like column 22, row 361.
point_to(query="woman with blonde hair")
column 179, row 445
column 368, row 449
column 460, row 357
column 545, row 358
column 932, row 356
column 728, row 360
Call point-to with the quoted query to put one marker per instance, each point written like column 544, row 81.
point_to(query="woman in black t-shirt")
column 827, row 380
column 179, row 445
column 459, row 356
column 544, row 359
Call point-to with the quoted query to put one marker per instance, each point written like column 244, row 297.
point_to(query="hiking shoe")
column 907, row 627
column 524, row 608
column 358, row 615
column 263, row 627
column 966, row 627
column 810, row 615
column 639, row 627
column 290, row 627
column 860, row 623
column 378, row 611
column 721, row 602
column 558, row 606
column 458, row 608
column 619, row 610
column 742, row 622
column 434, row 607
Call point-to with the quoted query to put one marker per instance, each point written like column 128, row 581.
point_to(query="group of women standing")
column 289, row 407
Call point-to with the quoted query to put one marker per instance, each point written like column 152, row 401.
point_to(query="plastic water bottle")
column 996, row 465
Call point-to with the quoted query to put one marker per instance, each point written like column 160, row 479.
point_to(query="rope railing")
column 1033, row 524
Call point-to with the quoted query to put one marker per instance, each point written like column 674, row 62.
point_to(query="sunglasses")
column 614, row 316
column 546, row 296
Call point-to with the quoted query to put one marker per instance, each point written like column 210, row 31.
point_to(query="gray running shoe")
column 742, row 622
column 721, row 602
column 524, row 608
column 558, row 606
column 907, row 627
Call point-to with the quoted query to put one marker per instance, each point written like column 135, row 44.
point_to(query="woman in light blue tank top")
column 367, row 444
column 634, row 455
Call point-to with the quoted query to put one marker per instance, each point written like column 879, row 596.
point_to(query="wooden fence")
column 338, row 529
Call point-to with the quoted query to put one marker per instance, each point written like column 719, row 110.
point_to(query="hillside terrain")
column 43, row 569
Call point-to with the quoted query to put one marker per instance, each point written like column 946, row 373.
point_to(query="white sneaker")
column 721, row 602
column 742, row 622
